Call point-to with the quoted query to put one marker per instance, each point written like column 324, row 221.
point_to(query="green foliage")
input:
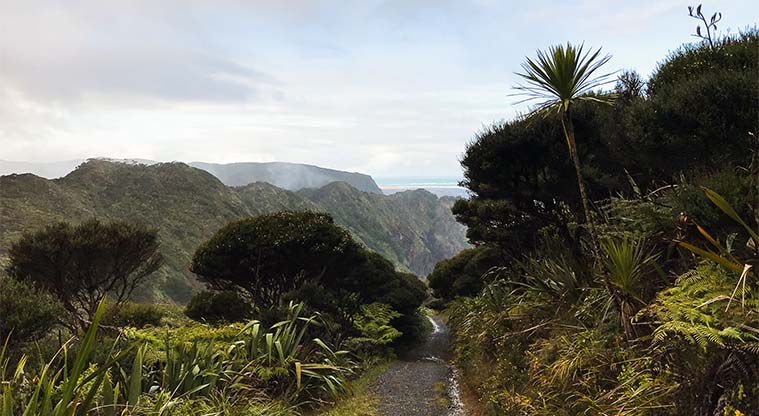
column 696, row 119
column 307, row 370
column 628, row 262
column 463, row 274
column 271, row 254
column 81, row 264
column 699, row 112
column 714, row 349
column 414, row 327
column 134, row 314
column 562, row 76
column 694, row 311
column 573, row 325
column 304, row 256
column 26, row 312
column 522, row 179
column 216, row 307
column 552, row 277
column 405, row 293
column 61, row 390
column 233, row 376
column 731, row 54
column 373, row 322
column 371, row 279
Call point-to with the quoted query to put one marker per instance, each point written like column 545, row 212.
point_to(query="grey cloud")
column 63, row 53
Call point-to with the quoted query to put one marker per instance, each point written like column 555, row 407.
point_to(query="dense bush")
column 268, row 255
column 217, row 307
column 699, row 111
column 235, row 374
column 134, row 314
column 373, row 322
column 26, row 312
column 522, row 179
column 656, row 312
column 464, row 274
column 305, row 257
column 80, row 264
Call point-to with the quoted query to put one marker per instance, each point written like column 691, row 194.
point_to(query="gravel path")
column 419, row 384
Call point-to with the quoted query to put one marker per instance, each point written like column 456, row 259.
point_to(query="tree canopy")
column 695, row 116
column 269, row 255
column 522, row 180
column 273, row 255
column 82, row 263
column 463, row 275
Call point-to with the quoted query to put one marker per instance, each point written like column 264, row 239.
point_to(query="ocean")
column 440, row 186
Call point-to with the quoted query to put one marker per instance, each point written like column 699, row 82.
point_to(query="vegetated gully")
column 422, row 382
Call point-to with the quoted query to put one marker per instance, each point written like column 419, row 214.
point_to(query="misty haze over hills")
column 289, row 176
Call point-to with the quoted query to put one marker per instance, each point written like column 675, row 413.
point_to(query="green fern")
column 692, row 312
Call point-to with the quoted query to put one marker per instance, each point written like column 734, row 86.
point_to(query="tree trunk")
column 627, row 311
column 569, row 132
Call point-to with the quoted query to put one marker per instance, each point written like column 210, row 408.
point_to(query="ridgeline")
column 413, row 229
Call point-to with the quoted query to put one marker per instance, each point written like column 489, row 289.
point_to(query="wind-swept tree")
column 81, row 264
column 269, row 255
column 302, row 256
column 559, row 78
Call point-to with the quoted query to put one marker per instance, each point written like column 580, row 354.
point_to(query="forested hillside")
column 412, row 229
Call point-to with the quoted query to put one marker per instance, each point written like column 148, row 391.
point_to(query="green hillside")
column 413, row 229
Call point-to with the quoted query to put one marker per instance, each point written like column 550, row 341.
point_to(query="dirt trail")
column 421, row 383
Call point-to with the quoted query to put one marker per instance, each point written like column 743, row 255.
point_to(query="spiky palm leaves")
column 627, row 262
column 300, row 369
column 559, row 78
column 63, row 390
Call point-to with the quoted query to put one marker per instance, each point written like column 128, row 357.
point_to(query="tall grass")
column 242, row 373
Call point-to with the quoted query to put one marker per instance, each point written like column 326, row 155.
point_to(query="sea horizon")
column 438, row 185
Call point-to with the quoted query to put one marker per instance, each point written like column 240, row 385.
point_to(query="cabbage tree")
column 558, row 78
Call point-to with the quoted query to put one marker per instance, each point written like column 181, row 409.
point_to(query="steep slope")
column 410, row 228
column 290, row 176
column 262, row 197
column 188, row 205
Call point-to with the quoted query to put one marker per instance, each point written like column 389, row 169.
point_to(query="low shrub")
column 138, row 315
column 215, row 307
column 374, row 323
column 26, row 312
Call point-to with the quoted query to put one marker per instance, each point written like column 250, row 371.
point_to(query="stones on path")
column 421, row 383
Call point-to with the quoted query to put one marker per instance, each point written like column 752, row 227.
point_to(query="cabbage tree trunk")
column 569, row 133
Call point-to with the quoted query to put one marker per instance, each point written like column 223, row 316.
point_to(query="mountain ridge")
column 286, row 175
column 187, row 205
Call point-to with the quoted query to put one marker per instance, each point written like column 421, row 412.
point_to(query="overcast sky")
column 390, row 88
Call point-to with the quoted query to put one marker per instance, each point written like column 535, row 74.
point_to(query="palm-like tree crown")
column 562, row 75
